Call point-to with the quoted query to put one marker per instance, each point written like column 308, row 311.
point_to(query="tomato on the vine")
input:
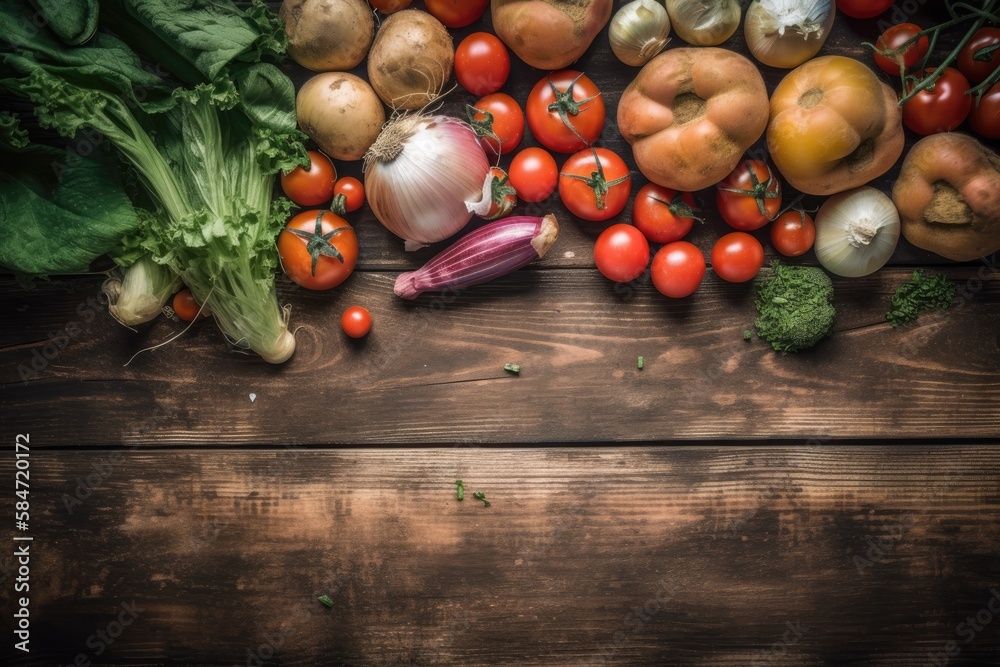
column 565, row 111
column 389, row 6
column 356, row 322
column 318, row 249
column 986, row 43
column 940, row 108
column 750, row 196
column 456, row 13
column 348, row 194
column 185, row 307
column 793, row 233
column 678, row 269
column 498, row 121
column 482, row 63
column 594, row 184
column 662, row 214
column 499, row 196
column 985, row 118
column 887, row 54
column 863, row 9
column 621, row 253
column 313, row 185
column 737, row 257
column 534, row 174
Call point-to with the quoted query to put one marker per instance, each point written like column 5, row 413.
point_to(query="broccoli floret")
column 796, row 307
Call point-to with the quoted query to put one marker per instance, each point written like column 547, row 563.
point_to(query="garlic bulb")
column 420, row 172
column 856, row 232
column 704, row 22
column 786, row 33
column 639, row 31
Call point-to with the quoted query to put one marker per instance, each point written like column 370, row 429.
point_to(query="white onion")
column 856, row 232
column 704, row 22
column 639, row 31
column 419, row 174
column 786, row 33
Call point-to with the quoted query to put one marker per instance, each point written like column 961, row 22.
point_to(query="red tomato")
column 594, row 184
column 863, row 9
column 985, row 118
column 621, row 253
column 565, row 111
column 887, row 54
column 185, row 307
column 502, row 195
column 663, row 215
column 941, row 108
column 974, row 70
column 356, row 322
column 793, row 233
column 533, row 173
column 389, row 6
column 677, row 269
column 313, row 185
column 498, row 122
column 318, row 249
column 482, row 63
column 750, row 196
column 456, row 13
column 348, row 195
column 737, row 257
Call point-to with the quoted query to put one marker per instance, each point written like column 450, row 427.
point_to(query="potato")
column 411, row 59
column 341, row 113
column 328, row 35
column 549, row 34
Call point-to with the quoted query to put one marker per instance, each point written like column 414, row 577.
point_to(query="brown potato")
column 411, row 59
column 948, row 197
column 691, row 113
column 328, row 35
column 549, row 34
column 341, row 113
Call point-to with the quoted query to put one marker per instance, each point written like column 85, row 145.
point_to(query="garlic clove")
column 639, row 31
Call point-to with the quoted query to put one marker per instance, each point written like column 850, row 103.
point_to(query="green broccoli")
column 796, row 307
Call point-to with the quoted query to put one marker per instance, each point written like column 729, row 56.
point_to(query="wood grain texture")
column 633, row 556
column 432, row 371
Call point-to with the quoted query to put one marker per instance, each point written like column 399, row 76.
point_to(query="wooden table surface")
column 725, row 505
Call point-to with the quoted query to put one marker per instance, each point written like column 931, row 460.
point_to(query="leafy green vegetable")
column 796, row 307
column 325, row 599
column 460, row 489
column 479, row 495
column 921, row 294
column 74, row 21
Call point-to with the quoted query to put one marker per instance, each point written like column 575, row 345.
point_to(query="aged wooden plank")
column 629, row 556
column 432, row 371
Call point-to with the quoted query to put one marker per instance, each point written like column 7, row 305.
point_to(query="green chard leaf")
column 73, row 21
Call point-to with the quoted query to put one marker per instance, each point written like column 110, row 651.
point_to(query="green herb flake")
column 479, row 495
column 512, row 368
column 460, row 489
column 919, row 295
column 325, row 599
column 638, row 363
column 747, row 334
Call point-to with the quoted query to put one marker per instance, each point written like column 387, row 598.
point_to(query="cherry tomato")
column 502, row 195
column 889, row 61
column 389, row 6
column 457, row 13
column 318, row 249
column 482, row 63
column 533, row 173
column 348, row 195
column 677, row 269
column 793, row 233
column 737, row 257
column 498, row 122
column 313, row 185
column 974, row 70
column 985, row 118
column 594, row 184
column 663, row 215
column 185, row 307
column 356, row 322
column 863, row 9
column 621, row 253
column 941, row 108
column 750, row 196
column 565, row 111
